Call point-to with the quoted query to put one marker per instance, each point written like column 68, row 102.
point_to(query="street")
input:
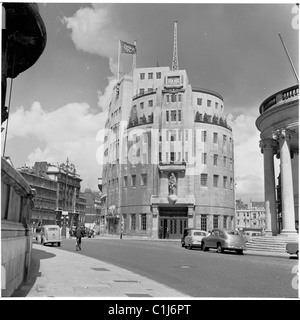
column 197, row 273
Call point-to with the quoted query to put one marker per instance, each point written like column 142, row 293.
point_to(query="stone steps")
column 270, row 243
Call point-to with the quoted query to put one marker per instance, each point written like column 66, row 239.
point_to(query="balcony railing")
column 281, row 96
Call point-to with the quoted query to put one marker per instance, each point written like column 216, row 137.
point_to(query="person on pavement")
column 78, row 235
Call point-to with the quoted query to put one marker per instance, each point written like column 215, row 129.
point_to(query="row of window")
column 150, row 75
column 226, row 183
column 134, row 222
column 177, row 156
column 208, row 103
column 176, row 134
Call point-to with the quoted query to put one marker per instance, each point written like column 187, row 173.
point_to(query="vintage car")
column 50, row 234
column 293, row 248
column 193, row 238
column 224, row 239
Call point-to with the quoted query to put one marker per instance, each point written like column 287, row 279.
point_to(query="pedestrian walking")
column 78, row 234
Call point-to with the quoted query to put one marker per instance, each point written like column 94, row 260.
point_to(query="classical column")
column 154, row 221
column 287, row 193
column 268, row 147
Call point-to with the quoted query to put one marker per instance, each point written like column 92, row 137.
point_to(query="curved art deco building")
column 279, row 126
column 168, row 157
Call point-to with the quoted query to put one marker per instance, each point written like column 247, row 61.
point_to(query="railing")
column 278, row 97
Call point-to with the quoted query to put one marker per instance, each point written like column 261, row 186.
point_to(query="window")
column 150, row 89
column 158, row 75
column 224, row 139
column 144, row 179
column 204, row 158
column 225, row 222
column 173, row 97
column 208, row 103
column 173, row 115
column 231, row 183
column 159, row 157
column 215, row 159
column 225, row 182
column 173, row 135
column 142, row 91
column 224, row 161
column 203, row 222
column 150, row 75
column 125, row 181
column 216, row 104
column 215, row 181
column 150, row 103
column 179, row 97
column 172, row 156
column 199, row 101
column 167, row 115
column 143, row 222
column 142, row 105
column 168, row 98
column 167, row 135
column 203, row 180
column 215, row 137
column 133, row 221
column 186, row 135
column 215, row 221
column 133, row 180
column 142, row 76
column 203, row 136
column 179, row 115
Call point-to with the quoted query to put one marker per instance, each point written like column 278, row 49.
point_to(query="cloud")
column 248, row 159
column 68, row 132
column 95, row 30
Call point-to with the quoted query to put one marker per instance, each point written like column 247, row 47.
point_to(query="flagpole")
column 118, row 77
column 134, row 57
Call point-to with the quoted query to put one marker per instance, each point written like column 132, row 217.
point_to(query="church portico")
column 279, row 126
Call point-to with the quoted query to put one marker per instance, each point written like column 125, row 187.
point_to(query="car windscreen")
column 52, row 229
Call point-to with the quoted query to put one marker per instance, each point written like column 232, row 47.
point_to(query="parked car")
column 193, row 238
column 224, row 239
column 50, row 234
column 185, row 233
column 293, row 248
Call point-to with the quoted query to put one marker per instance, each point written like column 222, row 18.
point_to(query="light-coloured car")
column 193, row 238
column 224, row 239
column 50, row 234
column 293, row 248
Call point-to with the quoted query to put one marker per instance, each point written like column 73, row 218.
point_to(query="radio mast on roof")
column 175, row 49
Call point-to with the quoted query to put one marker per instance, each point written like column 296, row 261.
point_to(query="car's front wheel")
column 219, row 248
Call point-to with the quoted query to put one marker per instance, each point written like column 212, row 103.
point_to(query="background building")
column 93, row 209
column 44, row 211
column 250, row 216
column 168, row 156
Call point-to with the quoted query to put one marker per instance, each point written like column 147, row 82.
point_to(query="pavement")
column 63, row 274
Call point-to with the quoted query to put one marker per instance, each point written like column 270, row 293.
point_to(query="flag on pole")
column 127, row 48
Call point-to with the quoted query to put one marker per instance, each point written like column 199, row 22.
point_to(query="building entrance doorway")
column 172, row 222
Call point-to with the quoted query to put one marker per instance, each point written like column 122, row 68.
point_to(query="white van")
column 50, row 234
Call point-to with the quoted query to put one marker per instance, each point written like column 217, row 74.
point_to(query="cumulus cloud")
column 94, row 30
column 248, row 159
column 68, row 132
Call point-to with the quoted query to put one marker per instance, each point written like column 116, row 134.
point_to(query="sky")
column 59, row 105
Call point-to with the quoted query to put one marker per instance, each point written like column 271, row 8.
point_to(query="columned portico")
column 268, row 148
column 287, row 194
